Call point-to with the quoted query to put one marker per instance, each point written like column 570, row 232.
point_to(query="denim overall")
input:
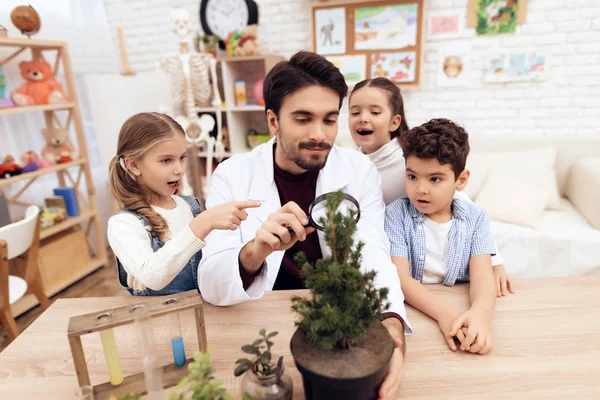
column 187, row 279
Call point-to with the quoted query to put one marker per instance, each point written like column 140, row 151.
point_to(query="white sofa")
column 566, row 242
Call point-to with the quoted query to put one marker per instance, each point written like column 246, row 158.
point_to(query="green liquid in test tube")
column 113, row 362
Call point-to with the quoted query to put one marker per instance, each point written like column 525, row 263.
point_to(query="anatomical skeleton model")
column 191, row 88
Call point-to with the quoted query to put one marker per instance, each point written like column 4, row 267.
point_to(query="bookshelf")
column 75, row 174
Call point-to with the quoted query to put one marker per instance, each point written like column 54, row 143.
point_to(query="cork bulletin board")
column 369, row 39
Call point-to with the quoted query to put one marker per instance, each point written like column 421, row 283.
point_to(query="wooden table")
column 547, row 345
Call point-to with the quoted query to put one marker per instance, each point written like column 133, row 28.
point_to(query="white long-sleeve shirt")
column 129, row 240
column 389, row 161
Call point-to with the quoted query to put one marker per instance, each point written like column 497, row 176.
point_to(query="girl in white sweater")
column 376, row 120
column 157, row 237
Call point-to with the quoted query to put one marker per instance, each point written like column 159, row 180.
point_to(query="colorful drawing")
column 496, row 16
column 444, row 26
column 397, row 67
column 516, row 67
column 240, row 93
column 330, row 31
column 385, row 27
column 354, row 68
column 454, row 66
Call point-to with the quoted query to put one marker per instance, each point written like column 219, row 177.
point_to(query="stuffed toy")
column 243, row 43
column 30, row 161
column 58, row 145
column 40, row 88
column 9, row 168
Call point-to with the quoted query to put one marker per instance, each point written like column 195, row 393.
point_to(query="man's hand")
column 274, row 235
column 503, row 282
column 391, row 385
column 479, row 331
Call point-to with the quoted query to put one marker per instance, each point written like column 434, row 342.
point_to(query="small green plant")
column 344, row 302
column 262, row 363
column 200, row 384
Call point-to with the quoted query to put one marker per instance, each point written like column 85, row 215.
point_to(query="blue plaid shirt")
column 469, row 236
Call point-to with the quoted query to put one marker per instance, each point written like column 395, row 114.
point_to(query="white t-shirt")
column 129, row 240
column 389, row 161
column 436, row 258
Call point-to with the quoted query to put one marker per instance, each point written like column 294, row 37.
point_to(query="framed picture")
column 444, row 25
column 397, row 67
column 386, row 34
column 354, row 68
column 330, row 31
column 516, row 67
column 385, row 27
column 454, row 66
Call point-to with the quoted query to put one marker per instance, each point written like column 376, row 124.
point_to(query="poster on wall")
column 516, row 67
column 496, row 16
column 385, row 27
column 444, row 25
column 454, row 67
column 397, row 67
column 354, row 68
column 330, row 30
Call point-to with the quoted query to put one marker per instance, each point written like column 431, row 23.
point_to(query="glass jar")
column 271, row 387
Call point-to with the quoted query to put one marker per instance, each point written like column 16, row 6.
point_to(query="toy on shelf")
column 5, row 101
column 41, row 86
column 244, row 43
column 256, row 138
column 52, row 216
column 58, row 145
column 258, row 92
column 30, row 161
column 240, row 93
column 26, row 19
column 140, row 314
column 9, row 168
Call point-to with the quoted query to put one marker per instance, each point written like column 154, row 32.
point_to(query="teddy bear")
column 40, row 88
column 246, row 42
column 58, row 145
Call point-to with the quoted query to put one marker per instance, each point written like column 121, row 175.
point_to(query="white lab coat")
column 249, row 176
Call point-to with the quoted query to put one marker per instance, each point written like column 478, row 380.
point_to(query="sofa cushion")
column 563, row 244
column 536, row 165
column 509, row 196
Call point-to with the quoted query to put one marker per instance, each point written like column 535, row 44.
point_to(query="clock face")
column 226, row 16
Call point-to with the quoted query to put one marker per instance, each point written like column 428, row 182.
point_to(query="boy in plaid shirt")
column 436, row 238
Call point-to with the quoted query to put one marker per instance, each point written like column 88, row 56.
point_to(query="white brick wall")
column 567, row 32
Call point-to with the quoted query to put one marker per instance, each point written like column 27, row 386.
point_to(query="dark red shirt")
column 301, row 190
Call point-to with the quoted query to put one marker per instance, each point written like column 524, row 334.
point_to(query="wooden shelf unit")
column 72, row 174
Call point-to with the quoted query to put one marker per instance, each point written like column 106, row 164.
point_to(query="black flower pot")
column 354, row 374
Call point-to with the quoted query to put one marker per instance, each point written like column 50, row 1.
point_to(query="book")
column 68, row 194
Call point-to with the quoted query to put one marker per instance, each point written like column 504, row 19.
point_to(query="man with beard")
column 303, row 97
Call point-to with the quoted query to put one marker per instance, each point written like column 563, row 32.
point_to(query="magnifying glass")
column 317, row 210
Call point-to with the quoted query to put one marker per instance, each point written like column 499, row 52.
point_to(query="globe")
column 26, row 19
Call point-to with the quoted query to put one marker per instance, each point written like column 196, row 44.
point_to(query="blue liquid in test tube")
column 176, row 339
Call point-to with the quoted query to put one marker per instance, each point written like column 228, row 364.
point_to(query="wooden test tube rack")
column 112, row 318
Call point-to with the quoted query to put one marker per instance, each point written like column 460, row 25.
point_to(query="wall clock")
column 221, row 17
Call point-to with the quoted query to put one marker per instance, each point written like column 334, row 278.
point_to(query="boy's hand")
column 479, row 331
column 503, row 282
column 446, row 323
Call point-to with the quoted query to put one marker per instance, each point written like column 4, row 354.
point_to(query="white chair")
column 20, row 243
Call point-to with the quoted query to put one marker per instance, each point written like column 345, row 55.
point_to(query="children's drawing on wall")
column 454, row 66
column 397, row 67
column 517, row 67
column 496, row 16
column 385, row 27
column 354, row 68
column 330, row 31
column 444, row 25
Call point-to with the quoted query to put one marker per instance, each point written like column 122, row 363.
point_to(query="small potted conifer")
column 340, row 347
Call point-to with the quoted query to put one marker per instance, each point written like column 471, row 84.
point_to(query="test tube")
column 113, row 363
column 176, row 339
column 152, row 371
